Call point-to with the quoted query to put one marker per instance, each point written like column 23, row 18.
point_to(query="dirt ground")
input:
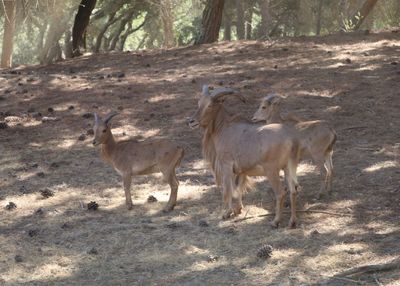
column 352, row 81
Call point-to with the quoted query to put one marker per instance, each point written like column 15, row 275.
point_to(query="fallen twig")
column 299, row 211
column 371, row 268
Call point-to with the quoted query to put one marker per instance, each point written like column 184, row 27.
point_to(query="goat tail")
column 243, row 184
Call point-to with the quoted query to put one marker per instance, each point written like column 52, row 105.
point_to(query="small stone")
column 275, row 66
column 285, row 49
column 212, row 258
column 93, row 251
column 50, row 109
column 92, row 206
column 90, row 132
column 54, row 165
column 40, row 174
column 120, row 75
column 3, row 125
column 18, row 258
column 315, row 232
column 33, row 232
column 265, row 251
column 82, row 137
column 47, row 193
column 101, row 77
column 394, row 63
column 348, row 61
column 39, row 212
column 152, row 199
column 203, row 223
column 194, row 80
column 87, row 115
column 73, row 77
column 11, row 206
column 147, row 65
column 71, row 107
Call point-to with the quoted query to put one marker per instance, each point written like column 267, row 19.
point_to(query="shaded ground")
column 351, row 81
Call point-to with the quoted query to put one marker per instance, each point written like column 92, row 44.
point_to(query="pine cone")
column 265, row 251
column 92, row 206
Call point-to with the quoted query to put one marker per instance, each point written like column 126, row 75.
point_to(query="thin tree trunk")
column 8, row 36
column 121, row 28
column 239, row 19
column 319, row 14
column 227, row 28
column 128, row 32
column 359, row 17
column 211, row 22
column 68, row 44
column 168, row 22
column 111, row 20
column 265, row 19
column 80, row 24
column 249, row 22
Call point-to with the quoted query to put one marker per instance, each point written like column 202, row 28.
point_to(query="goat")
column 236, row 149
column 132, row 158
column 316, row 138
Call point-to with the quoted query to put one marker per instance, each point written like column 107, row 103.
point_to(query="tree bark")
column 319, row 14
column 265, row 19
column 168, row 22
column 227, row 28
column 128, row 32
column 80, row 24
column 116, row 36
column 359, row 17
column 211, row 22
column 8, row 36
column 111, row 20
column 249, row 21
column 239, row 19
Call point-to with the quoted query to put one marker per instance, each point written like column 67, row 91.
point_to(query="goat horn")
column 220, row 92
column 109, row 116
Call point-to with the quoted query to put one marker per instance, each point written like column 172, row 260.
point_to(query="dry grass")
column 65, row 244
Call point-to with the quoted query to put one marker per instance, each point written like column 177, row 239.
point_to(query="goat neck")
column 108, row 147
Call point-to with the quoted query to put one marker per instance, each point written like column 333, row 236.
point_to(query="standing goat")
column 132, row 158
column 316, row 137
column 236, row 149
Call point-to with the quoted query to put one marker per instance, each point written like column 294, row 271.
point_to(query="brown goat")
column 316, row 138
column 132, row 158
column 236, row 149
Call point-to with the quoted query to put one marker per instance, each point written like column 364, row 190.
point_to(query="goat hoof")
column 227, row 215
column 167, row 209
column 292, row 224
column 274, row 224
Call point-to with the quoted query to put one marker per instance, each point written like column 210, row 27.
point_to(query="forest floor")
column 352, row 81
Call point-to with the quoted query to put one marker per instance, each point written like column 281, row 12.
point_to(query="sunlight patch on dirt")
column 381, row 165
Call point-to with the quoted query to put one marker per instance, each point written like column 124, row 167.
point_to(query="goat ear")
column 205, row 89
column 109, row 117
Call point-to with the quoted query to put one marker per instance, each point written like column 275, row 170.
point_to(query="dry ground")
column 353, row 81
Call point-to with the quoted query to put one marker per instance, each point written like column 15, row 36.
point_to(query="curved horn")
column 205, row 89
column 96, row 118
column 109, row 117
column 273, row 98
column 220, row 92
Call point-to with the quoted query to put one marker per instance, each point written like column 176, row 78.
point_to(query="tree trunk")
column 8, row 37
column 319, row 14
column 239, row 19
column 80, row 24
column 168, row 22
column 121, row 28
column 128, row 32
column 249, row 21
column 103, row 30
column 265, row 19
column 211, row 22
column 68, row 44
column 227, row 28
column 359, row 17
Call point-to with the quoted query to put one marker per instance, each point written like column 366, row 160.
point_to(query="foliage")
column 137, row 24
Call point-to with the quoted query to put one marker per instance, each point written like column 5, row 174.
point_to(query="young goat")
column 132, row 158
column 316, row 137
